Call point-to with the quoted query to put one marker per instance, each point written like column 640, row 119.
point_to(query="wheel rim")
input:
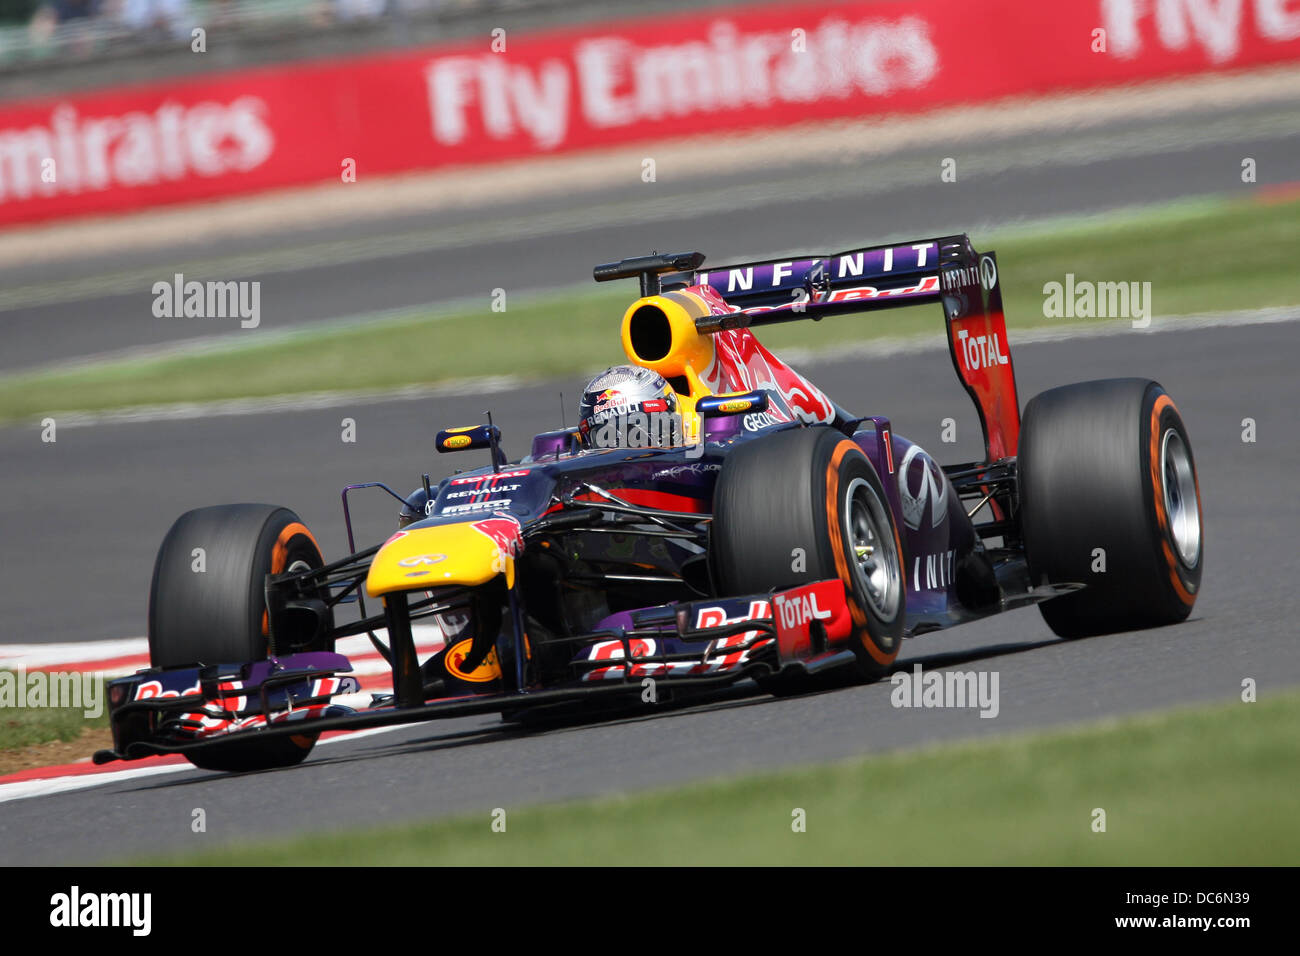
column 873, row 555
column 1181, row 504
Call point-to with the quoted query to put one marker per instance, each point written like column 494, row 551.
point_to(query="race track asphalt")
column 96, row 503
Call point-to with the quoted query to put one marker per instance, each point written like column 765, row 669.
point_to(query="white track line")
column 51, row 785
column 33, row 656
column 300, row 402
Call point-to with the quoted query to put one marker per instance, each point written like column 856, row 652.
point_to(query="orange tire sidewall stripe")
column 1162, row 517
column 841, row 559
column 280, row 551
column 280, row 557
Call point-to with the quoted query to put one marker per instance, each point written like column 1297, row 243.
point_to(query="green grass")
column 28, row 726
column 1200, row 256
column 1206, row 786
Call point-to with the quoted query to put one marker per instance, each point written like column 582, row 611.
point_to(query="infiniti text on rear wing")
column 882, row 275
column 947, row 270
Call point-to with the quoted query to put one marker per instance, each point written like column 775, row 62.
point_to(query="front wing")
column 699, row 645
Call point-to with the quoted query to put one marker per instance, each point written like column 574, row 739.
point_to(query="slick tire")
column 1109, row 498
column 800, row 506
column 209, row 606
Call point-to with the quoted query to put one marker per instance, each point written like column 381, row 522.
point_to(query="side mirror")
column 739, row 403
column 472, row 436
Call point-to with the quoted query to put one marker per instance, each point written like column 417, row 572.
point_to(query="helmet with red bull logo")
column 627, row 406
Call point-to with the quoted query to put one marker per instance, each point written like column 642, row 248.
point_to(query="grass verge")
column 25, row 730
column 54, row 753
column 1200, row 256
column 1211, row 785
column 42, row 736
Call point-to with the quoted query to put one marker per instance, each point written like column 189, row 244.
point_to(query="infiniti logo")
column 932, row 488
column 421, row 559
column 988, row 273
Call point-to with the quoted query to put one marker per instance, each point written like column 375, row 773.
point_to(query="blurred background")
column 129, row 39
column 361, row 156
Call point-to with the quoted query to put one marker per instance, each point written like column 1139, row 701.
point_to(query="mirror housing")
column 472, row 436
column 738, row 403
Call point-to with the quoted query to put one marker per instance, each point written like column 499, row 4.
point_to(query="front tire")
column 806, row 505
column 1109, row 498
column 207, row 605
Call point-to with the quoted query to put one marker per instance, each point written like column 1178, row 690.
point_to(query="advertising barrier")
column 725, row 70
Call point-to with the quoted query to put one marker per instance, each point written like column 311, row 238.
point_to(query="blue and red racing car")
column 713, row 517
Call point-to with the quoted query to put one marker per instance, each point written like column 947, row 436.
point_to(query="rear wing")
column 945, row 270
column 815, row 286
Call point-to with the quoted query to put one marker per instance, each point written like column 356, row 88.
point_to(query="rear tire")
column 207, row 605
column 1108, row 465
column 812, row 492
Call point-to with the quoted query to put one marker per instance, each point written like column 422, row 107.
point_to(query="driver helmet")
column 627, row 406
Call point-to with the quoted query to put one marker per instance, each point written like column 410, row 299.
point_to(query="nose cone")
column 464, row 553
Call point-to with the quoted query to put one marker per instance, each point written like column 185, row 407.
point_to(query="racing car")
column 768, row 533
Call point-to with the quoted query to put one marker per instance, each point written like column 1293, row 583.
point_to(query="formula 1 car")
column 783, row 538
